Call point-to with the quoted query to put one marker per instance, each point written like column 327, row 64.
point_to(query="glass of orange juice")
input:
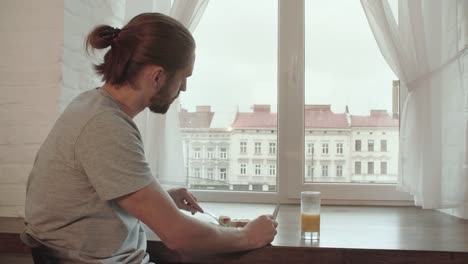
column 310, row 215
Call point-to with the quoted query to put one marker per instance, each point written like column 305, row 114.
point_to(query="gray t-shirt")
column 92, row 155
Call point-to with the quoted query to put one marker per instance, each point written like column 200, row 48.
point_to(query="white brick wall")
column 43, row 67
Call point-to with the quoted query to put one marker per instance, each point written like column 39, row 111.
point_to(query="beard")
column 161, row 101
column 159, row 108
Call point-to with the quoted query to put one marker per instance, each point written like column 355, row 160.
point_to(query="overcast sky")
column 236, row 60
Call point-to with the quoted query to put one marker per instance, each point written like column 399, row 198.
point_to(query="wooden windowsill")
column 349, row 234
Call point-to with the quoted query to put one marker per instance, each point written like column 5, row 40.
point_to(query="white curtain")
column 161, row 133
column 425, row 47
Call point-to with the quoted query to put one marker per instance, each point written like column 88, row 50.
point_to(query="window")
column 339, row 170
column 310, row 171
column 209, row 173
column 370, row 145
column 243, row 147
column 197, row 153
column 223, row 153
column 310, row 148
column 370, row 167
column 258, row 147
column 258, row 169
column 357, row 145
column 272, row 169
column 243, row 169
column 272, row 149
column 383, row 167
column 210, row 153
column 196, row 172
column 383, row 145
column 357, row 167
column 328, row 80
column 325, row 148
column 257, row 187
column 222, row 174
column 339, row 148
column 324, row 170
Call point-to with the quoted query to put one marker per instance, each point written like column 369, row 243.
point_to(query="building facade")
column 338, row 148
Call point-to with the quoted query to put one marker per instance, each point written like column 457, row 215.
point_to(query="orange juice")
column 310, row 222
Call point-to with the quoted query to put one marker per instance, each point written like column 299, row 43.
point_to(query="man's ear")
column 156, row 75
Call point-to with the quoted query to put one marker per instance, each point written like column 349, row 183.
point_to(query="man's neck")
column 127, row 97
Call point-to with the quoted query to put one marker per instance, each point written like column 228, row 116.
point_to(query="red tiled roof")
column 324, row 119
column 255, row 120
column 316, row 116
column 377, row 118
column 195, row 119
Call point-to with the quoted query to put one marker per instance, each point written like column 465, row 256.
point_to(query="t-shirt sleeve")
column 110, row 151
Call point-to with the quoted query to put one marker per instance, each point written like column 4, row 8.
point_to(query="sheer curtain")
column 161, row 133
column 425, row 47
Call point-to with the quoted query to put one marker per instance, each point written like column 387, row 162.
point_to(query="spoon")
column 212, row 215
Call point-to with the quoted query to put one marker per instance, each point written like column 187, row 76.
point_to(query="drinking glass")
column 310, row 215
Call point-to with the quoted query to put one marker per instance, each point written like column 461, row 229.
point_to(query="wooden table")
column 349, row 235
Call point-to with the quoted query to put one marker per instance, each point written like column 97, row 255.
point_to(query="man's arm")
column 154, row 207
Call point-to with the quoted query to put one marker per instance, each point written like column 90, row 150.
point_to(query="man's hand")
column 185, row 200
column 261, row 231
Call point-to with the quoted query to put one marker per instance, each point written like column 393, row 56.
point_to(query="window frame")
column 382, row 149
column 339, row 170
column 370, row 145
column 272, row 148
column 290, row 140
column 257, row 147
column 243, row 147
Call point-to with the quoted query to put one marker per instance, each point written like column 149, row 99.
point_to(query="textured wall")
column 43, row 67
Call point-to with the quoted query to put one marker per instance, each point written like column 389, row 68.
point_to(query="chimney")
column 261, row 108
column 203, row 109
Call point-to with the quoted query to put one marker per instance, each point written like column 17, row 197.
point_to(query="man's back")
column 92, row 155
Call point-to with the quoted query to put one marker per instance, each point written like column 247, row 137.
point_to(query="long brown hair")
column 147, row 39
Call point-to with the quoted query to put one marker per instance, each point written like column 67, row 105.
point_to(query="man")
column 90, row 185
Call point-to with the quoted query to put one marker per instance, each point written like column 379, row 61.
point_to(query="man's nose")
column 183, row 86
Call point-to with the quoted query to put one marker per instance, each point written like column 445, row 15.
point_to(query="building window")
column 383, row 145
column 325, row 148
column 196, row 172
column 370, row 145
column 258, row 147
column 272, row 149
column 197, row 153
column 370, row 167
column 222, row 174
column 257, row 169
column 257, row 187
column 243, row 147
column 324, row 170
column 243, row 169
column 357, row 145
column 210, row 153
column 383, row 167
column 339, row 148
column 357, row 167
column 209, row 173
column 272, row 169
column 339, row 170
column 223, row 153
column 310, row 171
column 310, row 148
